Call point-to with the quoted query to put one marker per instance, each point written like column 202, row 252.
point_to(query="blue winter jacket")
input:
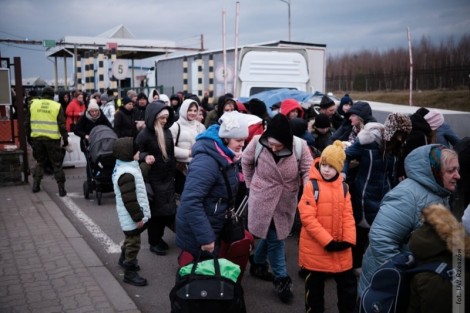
column 373, row 176
column 446, row 136
column 204, row 201
column 400, row 212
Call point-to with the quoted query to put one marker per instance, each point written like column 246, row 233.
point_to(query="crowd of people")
column 357, row 187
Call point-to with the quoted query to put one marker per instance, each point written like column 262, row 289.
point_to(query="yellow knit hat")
column 334, row 156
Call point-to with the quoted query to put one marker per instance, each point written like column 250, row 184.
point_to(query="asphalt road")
column 99, row 226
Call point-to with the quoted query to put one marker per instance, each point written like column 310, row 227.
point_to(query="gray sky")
column 343, row 25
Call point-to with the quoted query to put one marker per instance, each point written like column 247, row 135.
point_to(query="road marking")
column 94, row 229
column 74, row 195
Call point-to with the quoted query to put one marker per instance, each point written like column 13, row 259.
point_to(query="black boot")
column 131, row 277
column 62, row 192
column 36, row 186
column 160, row 248
column 283, row 288
column 130, row 266
column 163, row 245
column 260, row 270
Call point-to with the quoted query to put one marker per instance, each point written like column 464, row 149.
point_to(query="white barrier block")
column 75, row 158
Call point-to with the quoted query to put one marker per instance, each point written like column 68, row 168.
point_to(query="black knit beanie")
column 279, row 129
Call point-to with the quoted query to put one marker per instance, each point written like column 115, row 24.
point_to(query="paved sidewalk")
column 46, row 265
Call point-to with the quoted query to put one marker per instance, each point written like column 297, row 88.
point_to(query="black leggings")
column 346, row 288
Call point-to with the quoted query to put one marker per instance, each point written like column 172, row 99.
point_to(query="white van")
column 267, row 68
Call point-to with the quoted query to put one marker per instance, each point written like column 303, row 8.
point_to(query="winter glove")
column 332, row 246
column 337, row 246
column 343, row 245
column 66, row 142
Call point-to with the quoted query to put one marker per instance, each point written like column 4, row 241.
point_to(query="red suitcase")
column 238, row 252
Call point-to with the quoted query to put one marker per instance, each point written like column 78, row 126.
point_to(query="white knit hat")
column 233, row 125
column 93, row 105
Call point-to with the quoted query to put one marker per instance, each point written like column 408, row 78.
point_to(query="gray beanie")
column 104, row 98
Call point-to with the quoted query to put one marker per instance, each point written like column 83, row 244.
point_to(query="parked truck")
column 273, row 65
column 267, row 68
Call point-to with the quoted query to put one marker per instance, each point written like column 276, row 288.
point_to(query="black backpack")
column 389, row 287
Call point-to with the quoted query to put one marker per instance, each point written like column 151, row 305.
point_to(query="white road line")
column 94, row 229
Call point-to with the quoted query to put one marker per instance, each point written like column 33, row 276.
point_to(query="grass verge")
column 440, row 99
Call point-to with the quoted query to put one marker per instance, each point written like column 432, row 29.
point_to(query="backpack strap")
column 345, row 188
column 297, row 150
column 316, row 190
column 442, row 269
column 259, row 147
column 229, row 188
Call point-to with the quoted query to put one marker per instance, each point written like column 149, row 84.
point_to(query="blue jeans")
column 272, row 249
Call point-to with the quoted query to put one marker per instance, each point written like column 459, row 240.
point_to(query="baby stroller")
column 100, row 162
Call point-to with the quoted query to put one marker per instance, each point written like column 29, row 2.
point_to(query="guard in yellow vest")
column 45, row 127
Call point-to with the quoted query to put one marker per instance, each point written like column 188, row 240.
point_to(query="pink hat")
column 434, row 118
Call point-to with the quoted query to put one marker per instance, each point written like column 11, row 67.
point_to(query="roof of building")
column 128, row 46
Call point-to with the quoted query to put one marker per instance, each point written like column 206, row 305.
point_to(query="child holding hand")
column 328, row 232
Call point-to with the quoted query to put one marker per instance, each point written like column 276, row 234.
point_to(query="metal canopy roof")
column 128, row 47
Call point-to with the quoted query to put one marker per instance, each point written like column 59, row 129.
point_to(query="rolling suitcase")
column 238, row 252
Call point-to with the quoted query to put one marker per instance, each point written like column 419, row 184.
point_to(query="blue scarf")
column 212, row 133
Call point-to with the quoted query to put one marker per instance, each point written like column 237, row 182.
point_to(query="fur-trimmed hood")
column 372, row 132
column 439, row 223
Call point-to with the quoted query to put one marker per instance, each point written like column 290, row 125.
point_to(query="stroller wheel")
column 86, row 190
column 98, row 197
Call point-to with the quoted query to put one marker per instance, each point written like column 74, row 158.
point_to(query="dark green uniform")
column 45, row 127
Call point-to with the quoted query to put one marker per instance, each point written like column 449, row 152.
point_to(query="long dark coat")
column 162, row 173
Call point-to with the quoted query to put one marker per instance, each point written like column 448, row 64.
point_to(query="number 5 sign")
column 119, row 69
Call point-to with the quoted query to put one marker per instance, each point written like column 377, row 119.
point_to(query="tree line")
column 435, row 66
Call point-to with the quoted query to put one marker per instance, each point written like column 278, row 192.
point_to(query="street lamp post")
column 288, row 13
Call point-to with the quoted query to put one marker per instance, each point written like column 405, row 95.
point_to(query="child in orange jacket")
column 328, row 232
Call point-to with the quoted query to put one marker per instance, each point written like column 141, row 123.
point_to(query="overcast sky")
column 343, row 25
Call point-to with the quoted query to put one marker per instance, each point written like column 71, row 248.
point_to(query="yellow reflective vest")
column 43, row 119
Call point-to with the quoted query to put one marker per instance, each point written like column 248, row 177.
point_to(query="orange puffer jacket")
column 329, row 218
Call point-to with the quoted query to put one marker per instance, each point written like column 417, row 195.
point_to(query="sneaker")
column 131, row 277
column 283, row 287
column 260, row 270
column 158, row 249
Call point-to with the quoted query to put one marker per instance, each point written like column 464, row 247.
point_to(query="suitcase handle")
column 198, row 259
column 241, row 208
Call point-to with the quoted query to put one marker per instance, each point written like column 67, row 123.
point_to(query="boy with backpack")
column 131, row 204
column 328, row 232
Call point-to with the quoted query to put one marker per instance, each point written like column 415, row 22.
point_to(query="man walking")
column 45, row 126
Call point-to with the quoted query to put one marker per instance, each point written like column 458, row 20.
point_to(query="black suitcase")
column 195, row 293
